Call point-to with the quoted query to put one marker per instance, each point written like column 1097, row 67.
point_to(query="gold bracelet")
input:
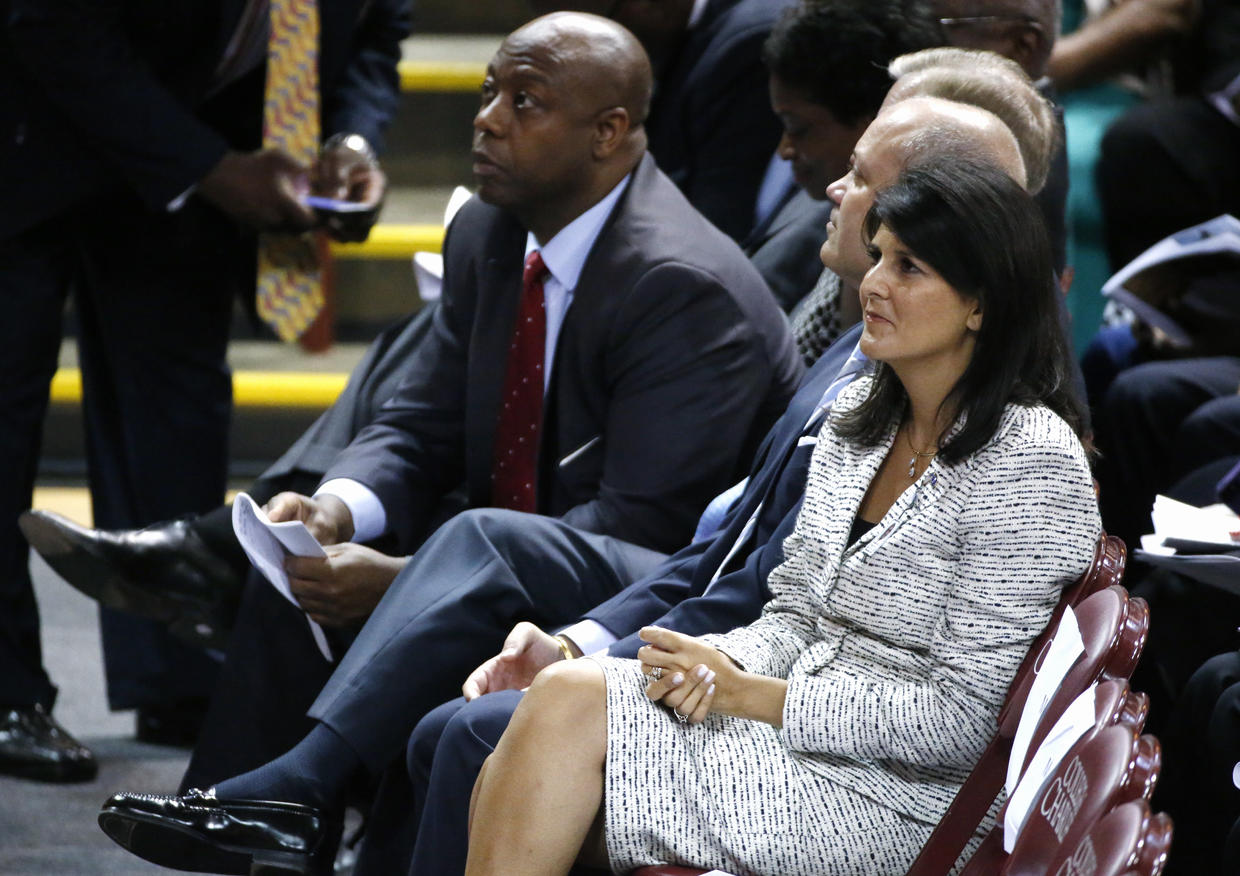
column 565, row 648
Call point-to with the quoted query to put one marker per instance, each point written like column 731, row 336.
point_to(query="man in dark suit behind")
column 129, row 165
column 711, row 126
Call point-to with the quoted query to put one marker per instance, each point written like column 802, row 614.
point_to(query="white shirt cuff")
column 369, row 518
column 590, row 636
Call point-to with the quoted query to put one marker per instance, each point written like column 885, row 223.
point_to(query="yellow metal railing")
column 251, row 389
column 440, row 75
column 392, row 242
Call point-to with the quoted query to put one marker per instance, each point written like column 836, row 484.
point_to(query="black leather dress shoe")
column 202, row 834
column 34, row 746
column 164, row 572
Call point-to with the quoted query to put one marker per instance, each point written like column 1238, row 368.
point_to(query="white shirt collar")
column 565, row 254
column 695, row 15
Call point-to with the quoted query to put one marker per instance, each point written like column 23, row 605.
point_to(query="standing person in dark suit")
column 134, row 176
column 374, row 698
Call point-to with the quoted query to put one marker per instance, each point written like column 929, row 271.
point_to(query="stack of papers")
column 1197, row 542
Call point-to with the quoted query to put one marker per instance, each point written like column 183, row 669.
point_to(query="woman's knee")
column 572, row 691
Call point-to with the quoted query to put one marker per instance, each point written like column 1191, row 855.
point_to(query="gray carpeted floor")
column 50, row 830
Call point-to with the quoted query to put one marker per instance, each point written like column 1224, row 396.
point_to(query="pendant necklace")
column 917, row 454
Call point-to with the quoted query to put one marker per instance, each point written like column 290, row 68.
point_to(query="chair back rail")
column 1113, row 630
column 1130, row 840
column 1100, row 772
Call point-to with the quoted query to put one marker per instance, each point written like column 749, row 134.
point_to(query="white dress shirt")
column 564, row 255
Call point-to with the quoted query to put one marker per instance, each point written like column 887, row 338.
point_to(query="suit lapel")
column 788, row 210
column 864, row 463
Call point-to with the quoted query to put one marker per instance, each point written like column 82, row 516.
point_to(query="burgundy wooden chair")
column 1113, row 628
column 1123, row 652
column 1098, row 774
column 1128, row 841
column 1114, row 703
column 1111, row 651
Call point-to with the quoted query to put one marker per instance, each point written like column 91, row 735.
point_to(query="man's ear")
column 610, row 127
column 1028, row 44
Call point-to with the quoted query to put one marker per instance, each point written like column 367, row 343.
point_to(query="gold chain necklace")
column 917, row 454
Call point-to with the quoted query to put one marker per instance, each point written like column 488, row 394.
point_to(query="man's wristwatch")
column 354, row 143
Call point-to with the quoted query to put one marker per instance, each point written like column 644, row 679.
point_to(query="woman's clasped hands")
column 685, row 674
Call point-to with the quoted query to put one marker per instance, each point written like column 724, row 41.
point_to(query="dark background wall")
column 481, row 16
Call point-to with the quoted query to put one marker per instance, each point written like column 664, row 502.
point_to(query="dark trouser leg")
column 445, row 755
column 400, row 805
column 270, row 676
column 1211, row 433
column 155, row 309
column 450, row 609
column 1200, row 747
column 216, row 530
column 35, row 270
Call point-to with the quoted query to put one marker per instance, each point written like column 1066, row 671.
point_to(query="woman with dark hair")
column 949, row 501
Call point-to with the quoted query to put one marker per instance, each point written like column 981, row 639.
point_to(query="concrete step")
column 455, row 17
column 428, row 142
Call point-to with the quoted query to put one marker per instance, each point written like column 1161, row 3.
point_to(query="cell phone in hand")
column 335, row 206
column 1229, row 489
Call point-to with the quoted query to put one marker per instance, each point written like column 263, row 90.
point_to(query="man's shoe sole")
column 182, row 848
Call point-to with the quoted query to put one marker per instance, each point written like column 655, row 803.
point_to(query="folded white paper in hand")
column 1065, row 648
column 267, row 544
column 1076, row 720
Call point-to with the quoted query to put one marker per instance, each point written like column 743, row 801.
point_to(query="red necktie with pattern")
column 290, row 288
column 514, row 470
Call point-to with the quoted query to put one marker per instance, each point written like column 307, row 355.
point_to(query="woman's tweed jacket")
column 899, row 649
